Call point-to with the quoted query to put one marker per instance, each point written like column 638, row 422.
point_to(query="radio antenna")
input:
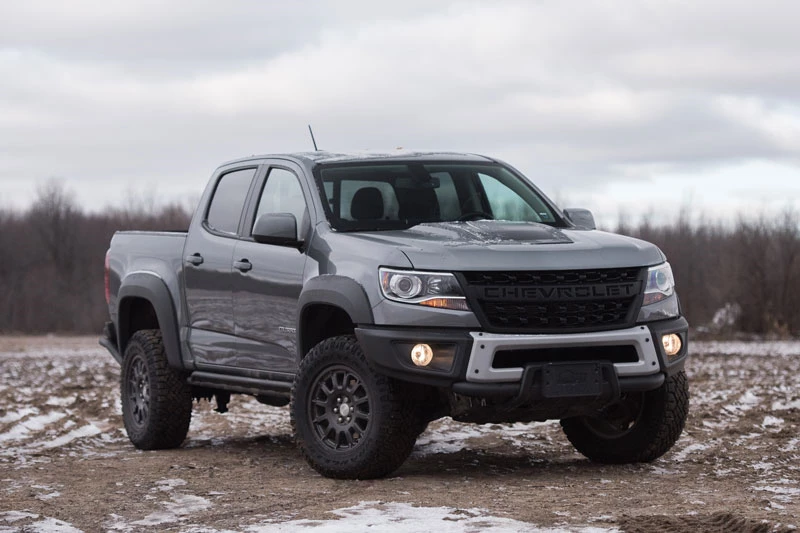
column 312, row 138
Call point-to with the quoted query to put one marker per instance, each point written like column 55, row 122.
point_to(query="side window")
column 505, row 203
column 282, row 193
column 228, row 200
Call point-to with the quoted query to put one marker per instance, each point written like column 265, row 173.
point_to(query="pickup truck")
column 375, row 293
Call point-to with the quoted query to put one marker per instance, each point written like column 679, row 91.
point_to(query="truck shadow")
column 441, row 466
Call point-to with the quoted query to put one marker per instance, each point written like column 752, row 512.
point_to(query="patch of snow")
column 45, row 525
column 52, row 525
column 661, row 471
column 405, row 518
column 791, row 445
column 15, row 516
column 746, row 402
column 681, row 455
column 89, row 430
column 445, row 440
column 167, row 485
column 785, row 406
column 448, row 436
column 47, row 492
column 747, row 348
column 772, row 422
column 56, row 351
column 37, row 423
column 782, row 493
column 13, row 416
column 180, row 507
column 59, row 401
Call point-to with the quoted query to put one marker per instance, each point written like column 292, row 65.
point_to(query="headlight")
column 660, row 284
column 660, row 300
column 431, row 289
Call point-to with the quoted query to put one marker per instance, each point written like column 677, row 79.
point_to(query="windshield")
column 370, row 196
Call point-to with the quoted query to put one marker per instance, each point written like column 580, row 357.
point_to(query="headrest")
column 367, row 204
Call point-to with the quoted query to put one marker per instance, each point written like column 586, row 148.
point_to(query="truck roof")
column 322, row 157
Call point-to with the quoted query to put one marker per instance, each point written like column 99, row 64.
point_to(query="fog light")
column 672, row 344
column 421, row 355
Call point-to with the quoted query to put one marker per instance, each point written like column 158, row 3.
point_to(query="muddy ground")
column 66, row 463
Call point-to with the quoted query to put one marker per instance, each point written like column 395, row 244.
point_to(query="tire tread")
column 394, row 434
column 170, row 396
column 665, row 415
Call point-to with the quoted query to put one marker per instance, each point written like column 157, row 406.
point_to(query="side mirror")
column 582, row 218
column 276, row 228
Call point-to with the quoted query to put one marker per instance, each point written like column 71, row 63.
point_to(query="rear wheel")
column 156, row 400
column 641, row 427
column 349, row 421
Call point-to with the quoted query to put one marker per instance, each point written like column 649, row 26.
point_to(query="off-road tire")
column 382, row 432
column 156, row 400
column 656, row 426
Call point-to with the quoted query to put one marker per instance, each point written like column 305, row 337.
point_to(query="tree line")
column 52, row 258
column 741, row 277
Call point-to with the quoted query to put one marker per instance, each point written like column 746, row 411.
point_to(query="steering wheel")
column 475, row 215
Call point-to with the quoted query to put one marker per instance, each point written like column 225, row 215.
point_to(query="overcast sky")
column 638, row 107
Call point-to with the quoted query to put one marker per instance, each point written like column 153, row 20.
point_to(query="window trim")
column 219, row 233
column 248, row 218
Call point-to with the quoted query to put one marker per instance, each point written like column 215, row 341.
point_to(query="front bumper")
column 467, row 359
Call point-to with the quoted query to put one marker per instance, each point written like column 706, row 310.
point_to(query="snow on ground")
column 404, row 518
column 34, row 523
column 747, row 348
column 65, row 401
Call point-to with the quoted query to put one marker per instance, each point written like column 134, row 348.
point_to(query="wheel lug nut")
column 339, row 399
column 341, row 419
column 348, row 419
column 335, row 409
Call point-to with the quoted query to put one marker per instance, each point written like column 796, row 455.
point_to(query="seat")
column 419, row 205
column 367, row 204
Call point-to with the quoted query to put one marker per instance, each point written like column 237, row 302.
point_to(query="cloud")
column 578, row 96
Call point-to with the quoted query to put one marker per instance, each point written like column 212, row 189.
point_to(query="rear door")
column 269, row 278
column 208, row 270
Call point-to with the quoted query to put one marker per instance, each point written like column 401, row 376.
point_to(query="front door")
column 208, row 271
column 268, row 280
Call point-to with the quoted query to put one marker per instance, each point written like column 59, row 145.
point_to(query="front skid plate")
column 485, row 345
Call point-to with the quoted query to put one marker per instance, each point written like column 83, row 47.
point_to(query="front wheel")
column 640, row 427
column 156, row 400
column 349, row 421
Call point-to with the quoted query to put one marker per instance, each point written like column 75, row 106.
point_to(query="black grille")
column 548, row 301
column 555, row 277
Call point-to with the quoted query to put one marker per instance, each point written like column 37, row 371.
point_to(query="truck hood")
column 501, row 245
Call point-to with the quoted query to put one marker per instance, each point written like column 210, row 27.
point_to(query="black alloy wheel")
column 139, row 391
column 339, row 408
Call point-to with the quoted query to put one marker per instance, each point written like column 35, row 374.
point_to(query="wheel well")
column 322, row 321
column 135, row 314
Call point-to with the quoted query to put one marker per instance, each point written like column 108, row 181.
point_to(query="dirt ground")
column 66, row 464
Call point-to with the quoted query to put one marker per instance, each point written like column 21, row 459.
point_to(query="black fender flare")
column 151, row 287
column 337, row 291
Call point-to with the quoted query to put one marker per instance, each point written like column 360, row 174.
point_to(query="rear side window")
column 228, row 201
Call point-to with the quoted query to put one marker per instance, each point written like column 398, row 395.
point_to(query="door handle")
column 195, row 259
column 244, row 265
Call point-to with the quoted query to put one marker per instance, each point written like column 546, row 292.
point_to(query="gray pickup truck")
column 376, row 293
